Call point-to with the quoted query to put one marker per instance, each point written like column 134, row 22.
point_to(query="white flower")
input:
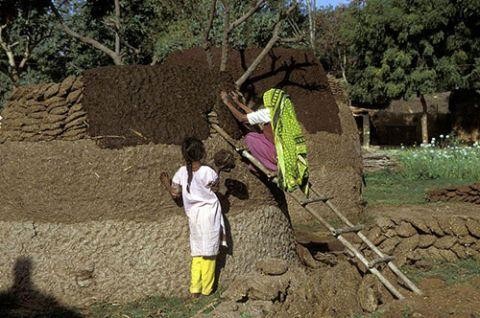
column 441, row 136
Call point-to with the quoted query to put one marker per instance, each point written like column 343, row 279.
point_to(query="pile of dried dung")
column 467, row 193
column 45, row 112
column 139, row 104
column 131, row 105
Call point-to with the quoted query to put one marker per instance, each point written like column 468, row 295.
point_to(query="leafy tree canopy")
column 403, row 47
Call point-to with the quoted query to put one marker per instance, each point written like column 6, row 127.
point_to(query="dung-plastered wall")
column 333, row 142
column 96, row 222
column 97, row 225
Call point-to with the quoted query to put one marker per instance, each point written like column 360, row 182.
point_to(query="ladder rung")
column 348, row 229
column 312, row 200
column 379, row 260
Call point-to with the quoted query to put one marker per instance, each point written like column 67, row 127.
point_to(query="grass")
column 156, row 307
column 440, row 164
column 394, row 188
column 440, row 161
column 451, row 273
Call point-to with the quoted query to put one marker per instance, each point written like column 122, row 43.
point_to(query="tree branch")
column 6, row 47
column 207, row 43
column 275, row 37
column 255, row 7
column 117, row 59
column 12, row 71
column 26, row 54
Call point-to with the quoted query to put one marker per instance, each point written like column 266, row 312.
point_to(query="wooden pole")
column 366, row 130
column 424, row 120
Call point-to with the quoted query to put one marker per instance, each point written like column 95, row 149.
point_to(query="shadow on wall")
column 24, row 300
column 464, row 105
column 302, row 77
column 392, row 129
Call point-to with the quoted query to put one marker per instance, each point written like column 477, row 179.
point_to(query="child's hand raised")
column 165, row 180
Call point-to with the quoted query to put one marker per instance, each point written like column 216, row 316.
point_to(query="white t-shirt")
column 200, row 194
column 261, row 116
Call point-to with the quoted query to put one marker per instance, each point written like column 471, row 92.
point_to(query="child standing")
column 196, row 184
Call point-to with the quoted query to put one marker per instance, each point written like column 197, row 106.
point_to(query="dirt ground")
column 460, row 299
column 457, row 296
column 440, row 300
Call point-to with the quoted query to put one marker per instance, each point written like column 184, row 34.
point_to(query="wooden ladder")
column 307, row 202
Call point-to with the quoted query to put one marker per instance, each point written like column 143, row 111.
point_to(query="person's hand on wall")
column 165, row 180
column 225, row 96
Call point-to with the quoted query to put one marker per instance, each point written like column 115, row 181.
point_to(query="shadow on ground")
column 24, row 300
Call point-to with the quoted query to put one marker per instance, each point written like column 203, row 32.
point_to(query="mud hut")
column 81, row 160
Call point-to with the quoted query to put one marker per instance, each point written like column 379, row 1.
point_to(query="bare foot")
column 195, row 295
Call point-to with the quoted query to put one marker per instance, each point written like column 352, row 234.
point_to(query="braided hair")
column 192, row 150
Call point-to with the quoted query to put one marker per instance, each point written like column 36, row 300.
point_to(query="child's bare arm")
column 174, row 189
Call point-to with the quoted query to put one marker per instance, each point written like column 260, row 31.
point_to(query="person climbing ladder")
column 281, row 147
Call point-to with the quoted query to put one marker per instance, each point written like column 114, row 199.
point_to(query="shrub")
column 441, row 159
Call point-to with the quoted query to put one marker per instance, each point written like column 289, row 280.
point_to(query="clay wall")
column 98, row 226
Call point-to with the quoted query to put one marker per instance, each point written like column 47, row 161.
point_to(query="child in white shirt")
column 196, row 184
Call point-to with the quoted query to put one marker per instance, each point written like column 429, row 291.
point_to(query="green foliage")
column 438, row 165
column 430, row 162
column 149, row 31
column 29, row 32
column 330, row 43
column 188, row 23
column 5, row 86
column 406, row 312
column 403, row 48
column 394, row 188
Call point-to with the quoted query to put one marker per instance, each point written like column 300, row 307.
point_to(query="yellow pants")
column 202, row 275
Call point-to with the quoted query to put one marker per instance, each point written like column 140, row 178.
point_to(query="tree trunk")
column 226, row 31
column 13, row 71
column 424, row 120
column 343, row 65
column 207, row 43
column 311, row 6
column 117, row 27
